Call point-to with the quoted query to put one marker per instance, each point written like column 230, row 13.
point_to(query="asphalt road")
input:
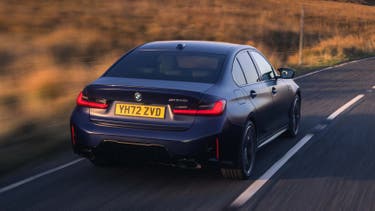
column 334, row 170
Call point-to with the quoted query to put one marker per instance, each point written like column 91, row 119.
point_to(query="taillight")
column 214, row 109
column 83, row 101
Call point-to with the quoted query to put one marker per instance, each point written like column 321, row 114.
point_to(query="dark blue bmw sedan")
column 186, row 103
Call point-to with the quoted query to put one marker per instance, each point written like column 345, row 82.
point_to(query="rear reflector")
column 81, row 101
column 217, row 109
column 217, row 149
column 73, row 135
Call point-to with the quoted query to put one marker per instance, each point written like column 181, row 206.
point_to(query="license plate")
column 136, row 110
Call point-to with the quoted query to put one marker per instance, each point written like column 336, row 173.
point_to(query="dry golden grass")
column 50, row 49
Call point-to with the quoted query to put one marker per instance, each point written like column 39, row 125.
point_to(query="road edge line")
column 331, row 67
column 32, row 178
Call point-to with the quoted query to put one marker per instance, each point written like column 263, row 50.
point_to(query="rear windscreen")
column 164, row 65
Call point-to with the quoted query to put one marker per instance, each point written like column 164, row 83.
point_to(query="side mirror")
column 286, row 73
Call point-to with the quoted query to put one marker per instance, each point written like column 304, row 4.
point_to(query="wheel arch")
column 298, row 92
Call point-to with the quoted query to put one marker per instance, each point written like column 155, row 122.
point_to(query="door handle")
column 274, row 91
column 253, row 94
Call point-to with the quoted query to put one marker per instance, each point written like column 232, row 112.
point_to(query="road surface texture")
column 329, row 166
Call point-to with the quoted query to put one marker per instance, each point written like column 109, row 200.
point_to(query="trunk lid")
column 120, row 93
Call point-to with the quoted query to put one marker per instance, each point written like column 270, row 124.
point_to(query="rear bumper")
column 201, row 151
column 197, row 143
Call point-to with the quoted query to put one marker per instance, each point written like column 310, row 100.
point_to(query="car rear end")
column 152, row 106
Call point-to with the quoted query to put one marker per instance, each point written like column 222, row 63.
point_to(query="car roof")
column 194, row 46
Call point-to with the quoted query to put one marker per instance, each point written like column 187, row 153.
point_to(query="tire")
column 294, row 117
column 246, row 155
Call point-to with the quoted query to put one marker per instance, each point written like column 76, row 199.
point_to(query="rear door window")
column 248, row 67
column 237, row 73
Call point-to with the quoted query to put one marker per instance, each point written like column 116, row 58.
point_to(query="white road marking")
column 312, row 73
column 328, row 68
column 344, row 107
column 373, row 87
column 27, row 180
column 257, row 184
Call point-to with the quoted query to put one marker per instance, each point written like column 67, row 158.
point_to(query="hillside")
column 365, row 2
column 50, row 49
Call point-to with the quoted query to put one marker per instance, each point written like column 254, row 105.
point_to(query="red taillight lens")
column 217, row 109
column 81, row 101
